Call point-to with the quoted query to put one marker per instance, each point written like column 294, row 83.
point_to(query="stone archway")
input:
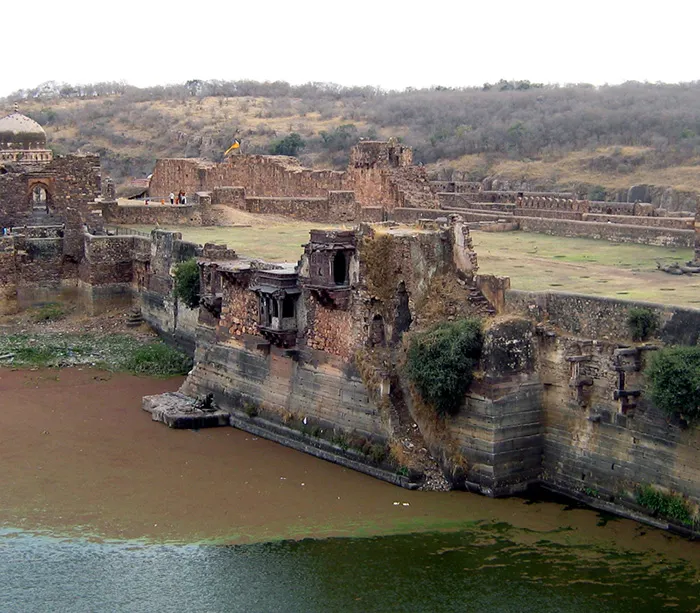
column 40, row 197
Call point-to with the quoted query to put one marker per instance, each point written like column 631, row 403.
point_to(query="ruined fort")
column 310, row 354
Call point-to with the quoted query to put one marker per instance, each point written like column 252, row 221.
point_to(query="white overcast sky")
column 362, row 42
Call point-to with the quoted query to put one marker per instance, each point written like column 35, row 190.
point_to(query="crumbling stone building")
column 310, row 354
column 379, row 179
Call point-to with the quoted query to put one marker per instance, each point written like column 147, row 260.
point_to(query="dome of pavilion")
column 22, row 140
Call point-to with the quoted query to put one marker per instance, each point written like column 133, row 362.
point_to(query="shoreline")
column 84, row 461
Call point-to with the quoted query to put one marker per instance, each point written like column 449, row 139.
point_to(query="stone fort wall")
column 70, row 181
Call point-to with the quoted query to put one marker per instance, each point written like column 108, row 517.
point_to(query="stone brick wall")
column 331, row 330
column 233, row 196
column 77, row 180
column 108, row 260
column 599, row 317
column 142, row 214
column 261, row 176
column 70, row 181
column 239, row 313
column 15, row 205
column 317, row 387
column 621, row 233
column 379, row 173
column 8, row 275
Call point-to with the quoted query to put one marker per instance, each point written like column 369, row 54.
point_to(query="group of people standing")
column 181, row 198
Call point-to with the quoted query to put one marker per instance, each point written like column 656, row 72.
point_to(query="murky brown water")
column 78, row 454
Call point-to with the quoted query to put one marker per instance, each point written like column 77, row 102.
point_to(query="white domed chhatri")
column 22, row 140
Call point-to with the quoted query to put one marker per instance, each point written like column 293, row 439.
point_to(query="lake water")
column 80, row 458
column 478, row 569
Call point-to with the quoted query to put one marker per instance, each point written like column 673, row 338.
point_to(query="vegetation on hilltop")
column 467, row 132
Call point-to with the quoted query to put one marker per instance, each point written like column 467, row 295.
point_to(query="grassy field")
column 534, row 262
column 539, row 262
column 275, row 241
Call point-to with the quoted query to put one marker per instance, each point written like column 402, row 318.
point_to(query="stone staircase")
column 479, row 301
column 39, row 217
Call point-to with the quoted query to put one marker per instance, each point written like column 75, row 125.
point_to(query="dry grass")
column 538, row 262
column 534, row 262
column 574, row 168
column 269, row 237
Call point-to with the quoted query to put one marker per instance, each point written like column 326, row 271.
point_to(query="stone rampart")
column 379, row 173
column 261, row 175
column 150, row 214
column 70, row 181
column 600, row 317
column 622, row 233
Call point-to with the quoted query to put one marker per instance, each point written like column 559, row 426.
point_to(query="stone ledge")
column 320, row 449
column 178, row 411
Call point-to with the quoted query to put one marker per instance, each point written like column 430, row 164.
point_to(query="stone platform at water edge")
column 179, row 411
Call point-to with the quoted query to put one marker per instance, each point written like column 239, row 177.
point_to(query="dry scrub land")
column 535, row 262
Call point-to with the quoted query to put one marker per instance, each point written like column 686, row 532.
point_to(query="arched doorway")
column 40, row 199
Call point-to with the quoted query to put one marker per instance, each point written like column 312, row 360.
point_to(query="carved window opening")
column 277, row 293
column 340, row 268
column 288, row 307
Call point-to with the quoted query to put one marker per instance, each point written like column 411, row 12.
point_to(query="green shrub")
column 250, row 409
column 289, row 145
column 673, row 380
column 377, row 453
column 49, row 312
column 596, row 193
column 187, row 282
column 670, row 506
column 642, row 323
column 441, row 361
column 157, row 359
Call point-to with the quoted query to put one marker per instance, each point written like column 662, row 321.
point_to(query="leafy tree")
column 440, row 362
column 673, row 378
column 187, row 282
column 289, row 145
column 596, row 193
column 642, row 323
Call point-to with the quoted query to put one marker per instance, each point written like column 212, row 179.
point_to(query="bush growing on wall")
column 440, row 362
column 670, row 506
column 642, row 323
column 187, row 282
column 673, row 377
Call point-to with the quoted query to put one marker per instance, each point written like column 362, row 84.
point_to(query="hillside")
column 598, row 141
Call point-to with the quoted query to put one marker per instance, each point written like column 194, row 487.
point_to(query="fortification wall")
column 247, row 373
column 160, row 307
column 70, row 181
column 598, row 439
column 8, row 275
column 272, row 176
column 151, row 214
column 621, row 233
